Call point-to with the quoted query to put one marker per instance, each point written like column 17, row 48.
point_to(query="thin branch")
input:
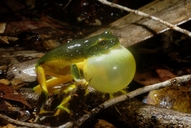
column 67, row 125
column 140, row 13
column 17, row 122
column 173, row 81
column 67, row 4
column 4, row 39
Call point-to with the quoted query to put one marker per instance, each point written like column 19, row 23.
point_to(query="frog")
column 99, row 61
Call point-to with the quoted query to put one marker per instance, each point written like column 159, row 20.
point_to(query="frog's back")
column 67, row 52
column 80, row 49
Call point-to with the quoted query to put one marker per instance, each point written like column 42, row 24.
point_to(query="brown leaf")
column 149, row 77
column 7, row 92
column 9, row 126
column 103, row 124
column 175, row 97
column 165, row 74
column 146, row 78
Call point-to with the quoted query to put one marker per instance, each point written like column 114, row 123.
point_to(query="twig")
column 67, row 4
column 173, row 81
column 4, row 39
column 67, row 125
column 140, row 13
column 30, row 125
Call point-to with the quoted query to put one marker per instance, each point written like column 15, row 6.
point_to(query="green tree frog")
column 100, row 60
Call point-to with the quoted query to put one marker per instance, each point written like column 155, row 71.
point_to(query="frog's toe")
column 37, row 89
column 63, row 106
column 42, row 111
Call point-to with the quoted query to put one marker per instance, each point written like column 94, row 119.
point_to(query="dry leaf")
column 8, row 93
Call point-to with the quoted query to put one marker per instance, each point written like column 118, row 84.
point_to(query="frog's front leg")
column 77, row 73
column 78, row 76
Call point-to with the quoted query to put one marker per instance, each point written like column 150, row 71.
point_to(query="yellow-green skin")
column 78, row 50
column 110, row 72
column 105, row 64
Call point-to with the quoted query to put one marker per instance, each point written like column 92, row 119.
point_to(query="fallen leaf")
column 165, row 74
column 9, row 126
column 174, row 97
column 146, row 78
column 7, row 92
column 103, row 124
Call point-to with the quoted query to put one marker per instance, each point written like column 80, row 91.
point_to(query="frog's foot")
column 123, row 91
column 111, row 95
column 63, row 106
column 86, row 88
column 83, row 84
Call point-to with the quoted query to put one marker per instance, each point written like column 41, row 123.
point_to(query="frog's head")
column 101, row 43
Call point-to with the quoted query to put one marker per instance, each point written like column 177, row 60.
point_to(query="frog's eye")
column 110, row 72
column 101, row 42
